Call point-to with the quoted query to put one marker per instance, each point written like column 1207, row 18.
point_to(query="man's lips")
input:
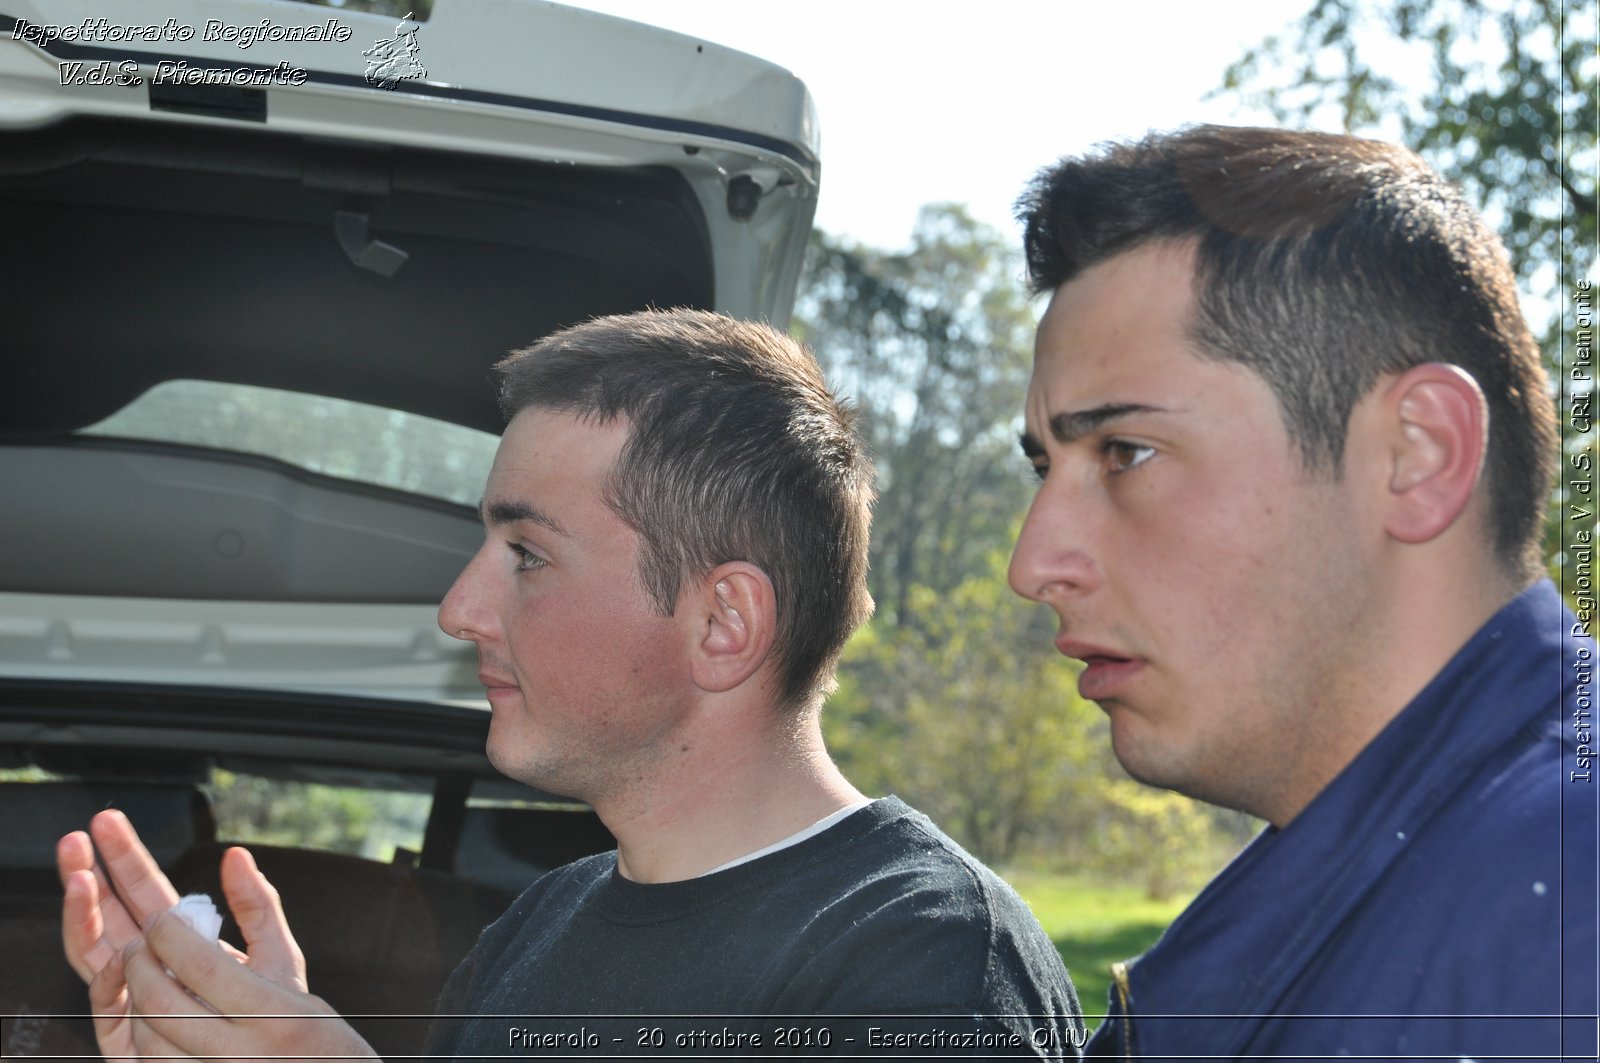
column 1105, row 671
column 497, row 685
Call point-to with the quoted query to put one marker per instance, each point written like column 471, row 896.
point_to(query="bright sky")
column 939, row 101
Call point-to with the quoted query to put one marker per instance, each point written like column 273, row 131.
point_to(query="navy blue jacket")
column 1438, row 898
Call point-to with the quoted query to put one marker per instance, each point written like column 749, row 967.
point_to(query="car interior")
column 379, row 936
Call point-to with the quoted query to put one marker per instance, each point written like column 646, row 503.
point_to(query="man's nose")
column 1052, row 556
column 464, row 612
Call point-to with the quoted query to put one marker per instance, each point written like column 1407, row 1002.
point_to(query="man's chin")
column 1163, row 767
column 543, row 775
column 501, row 752
column 497, row 760
column 1142, row 755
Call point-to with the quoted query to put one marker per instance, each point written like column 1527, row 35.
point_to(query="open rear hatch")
column 252, row 305
column 242, row 224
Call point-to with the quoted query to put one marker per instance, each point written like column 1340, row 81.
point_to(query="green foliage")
column 28, row 773
column 1165, row 841
column 967, row 714
column 341, row 819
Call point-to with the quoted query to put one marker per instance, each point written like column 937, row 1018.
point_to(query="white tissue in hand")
column 197, row 910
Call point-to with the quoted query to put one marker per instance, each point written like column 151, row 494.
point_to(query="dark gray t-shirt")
column 879, row 936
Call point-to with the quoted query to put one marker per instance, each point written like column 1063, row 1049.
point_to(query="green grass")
column 1093, row 926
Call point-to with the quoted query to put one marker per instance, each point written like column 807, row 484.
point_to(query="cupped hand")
column 104, row 908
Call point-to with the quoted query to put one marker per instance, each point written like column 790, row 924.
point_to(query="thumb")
column 273, row 952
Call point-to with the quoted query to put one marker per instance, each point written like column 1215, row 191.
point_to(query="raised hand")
column 100, row 924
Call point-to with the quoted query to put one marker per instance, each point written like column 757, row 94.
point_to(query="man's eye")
column 1122, row 456
column 527, row 560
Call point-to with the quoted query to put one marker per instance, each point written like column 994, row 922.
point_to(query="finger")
column 154, row 990
column 143, row 887
column 74, row 852
column 82, row 929
column 108, row 1000
column 201, row 966
column 258, row 909
column 108, row 989
column 148, row 1042
column 175, row 1014
column 197, row 1036
column 75, row 855
column 117, row 924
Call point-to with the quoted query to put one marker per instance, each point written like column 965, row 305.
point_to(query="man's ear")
column 1439, row 424
column 736, row 620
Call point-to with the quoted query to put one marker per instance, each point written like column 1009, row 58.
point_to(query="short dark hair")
column 1322, row 262
column 737, row 451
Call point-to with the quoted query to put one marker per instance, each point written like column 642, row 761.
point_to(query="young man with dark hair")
column 1295, row 446
column 677, row 524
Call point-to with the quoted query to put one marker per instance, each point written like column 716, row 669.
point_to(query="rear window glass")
column 340, row 819
column 335, row 437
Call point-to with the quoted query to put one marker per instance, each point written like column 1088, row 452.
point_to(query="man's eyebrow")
column 508, row 512
column 1070, row 425
column 1074, row 424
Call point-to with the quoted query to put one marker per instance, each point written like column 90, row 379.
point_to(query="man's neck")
column 1426, row 624
column 725, row 797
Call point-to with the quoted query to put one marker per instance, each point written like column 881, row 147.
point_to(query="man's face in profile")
column 581, row 669
column 1211, row 586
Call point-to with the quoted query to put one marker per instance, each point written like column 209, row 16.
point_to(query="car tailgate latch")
column 381, row 258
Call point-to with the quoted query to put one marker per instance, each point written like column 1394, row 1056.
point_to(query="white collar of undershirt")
column 796, row 838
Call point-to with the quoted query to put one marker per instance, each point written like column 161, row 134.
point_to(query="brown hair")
column 737, row 451
column 1323, row 261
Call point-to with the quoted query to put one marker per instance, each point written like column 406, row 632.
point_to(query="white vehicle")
column 260, row 257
